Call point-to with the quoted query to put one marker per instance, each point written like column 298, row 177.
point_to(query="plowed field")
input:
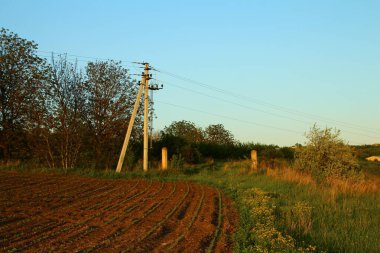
column 57, row 213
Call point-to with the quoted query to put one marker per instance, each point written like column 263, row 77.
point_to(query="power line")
column 233, row 103
column 254, row 109
column 132, row 64
column 228, row 117
column 237, row 119
column 267, row 104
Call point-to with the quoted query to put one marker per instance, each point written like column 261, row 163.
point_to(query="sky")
column 266, row 70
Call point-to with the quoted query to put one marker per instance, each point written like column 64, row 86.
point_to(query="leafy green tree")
column 325, row 155
column 186, row 130
column 22, row 73
column 110, row 95
column 217, row 134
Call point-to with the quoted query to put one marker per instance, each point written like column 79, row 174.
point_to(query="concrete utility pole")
column 143, row 85
column 146, row 113
column 130, row 126
column 146, row 106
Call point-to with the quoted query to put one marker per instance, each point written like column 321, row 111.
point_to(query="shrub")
column 326, row 155
column 177, row 162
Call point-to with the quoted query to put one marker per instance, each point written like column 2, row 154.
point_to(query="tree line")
column 196, row 145
column 60, row 115
column 57, row 114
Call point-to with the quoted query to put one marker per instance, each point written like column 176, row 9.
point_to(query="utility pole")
column 144, row 84
column 146, row 113
column 146, row 106
column 130, row 126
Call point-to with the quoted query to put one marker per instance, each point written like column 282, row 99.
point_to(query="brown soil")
column 57, row 213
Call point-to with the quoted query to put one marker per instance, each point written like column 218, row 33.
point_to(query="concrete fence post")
column 254, row 160
column 164, row 158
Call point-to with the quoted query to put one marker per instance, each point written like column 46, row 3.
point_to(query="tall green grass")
column 340, row 222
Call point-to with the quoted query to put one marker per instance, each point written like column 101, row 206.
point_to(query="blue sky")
column 267, row 70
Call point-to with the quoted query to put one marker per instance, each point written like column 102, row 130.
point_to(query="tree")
column 110, row 95
column 64, row 100
column 217, row 134
column 326, row 155
column 186, row 130
column 22, row 73
column 181, row 137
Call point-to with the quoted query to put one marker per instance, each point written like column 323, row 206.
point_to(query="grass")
column 340, row 221
column 331, row 220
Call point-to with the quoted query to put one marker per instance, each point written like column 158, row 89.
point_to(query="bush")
column 177, row 162
column 326, row 155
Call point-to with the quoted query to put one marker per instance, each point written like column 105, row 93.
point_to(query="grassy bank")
column 313, row 215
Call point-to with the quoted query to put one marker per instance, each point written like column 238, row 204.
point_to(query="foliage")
column 59, row 115
column 191, row 154
column 325, row 155
column 365, row 151
column 109, row 98
column 372, row 168
column 177, row 162
column 217, row 134
column 218, row 151
column 22, row 73
column 185, row 130
column 172, row 142
column 221, row 146
column 63, row 113
column 264, row 236
column 176, row 146
column 341, row 222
